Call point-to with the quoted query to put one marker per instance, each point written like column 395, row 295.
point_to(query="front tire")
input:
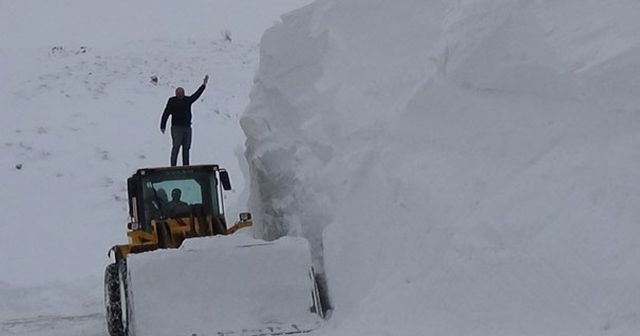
column 115, row 299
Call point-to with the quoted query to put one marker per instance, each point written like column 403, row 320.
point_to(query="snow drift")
column 459, row 168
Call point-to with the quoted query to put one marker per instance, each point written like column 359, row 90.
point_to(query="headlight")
column 245, row 216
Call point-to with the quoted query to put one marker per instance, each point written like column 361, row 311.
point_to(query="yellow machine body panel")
column 170, row 233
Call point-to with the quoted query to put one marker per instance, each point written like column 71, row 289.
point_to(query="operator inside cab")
column 177, row 207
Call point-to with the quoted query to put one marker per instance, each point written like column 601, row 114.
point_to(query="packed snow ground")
column 462, row 167
column 81, row 113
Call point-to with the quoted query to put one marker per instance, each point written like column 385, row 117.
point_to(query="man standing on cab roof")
column 179, row 108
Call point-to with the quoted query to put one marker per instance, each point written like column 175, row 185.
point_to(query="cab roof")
column 154, row 170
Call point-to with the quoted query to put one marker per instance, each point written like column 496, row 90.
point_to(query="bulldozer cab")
column 158, row 194
column 170, row 204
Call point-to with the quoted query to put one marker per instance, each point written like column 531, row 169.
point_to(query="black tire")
column 115, row 299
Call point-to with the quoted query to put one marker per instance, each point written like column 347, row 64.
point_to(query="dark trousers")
column 181, row 136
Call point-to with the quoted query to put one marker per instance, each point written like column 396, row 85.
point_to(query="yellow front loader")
column 168, row 206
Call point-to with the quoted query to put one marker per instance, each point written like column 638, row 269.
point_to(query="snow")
column 80, row 114
column 76, row 152
column 460, row 168
column 222, row 284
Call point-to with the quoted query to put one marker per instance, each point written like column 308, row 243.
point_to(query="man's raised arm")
column 198, row 93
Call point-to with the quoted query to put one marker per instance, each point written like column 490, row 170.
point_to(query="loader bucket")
column 223, row 285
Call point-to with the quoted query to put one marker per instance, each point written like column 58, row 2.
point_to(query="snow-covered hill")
column 462, row 168
column 80, row 112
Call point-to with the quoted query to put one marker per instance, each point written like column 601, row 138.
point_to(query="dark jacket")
column 180, row 109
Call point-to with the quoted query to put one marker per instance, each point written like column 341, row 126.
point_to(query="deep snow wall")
column 463, row 167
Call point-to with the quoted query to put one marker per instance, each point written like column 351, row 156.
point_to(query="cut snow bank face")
column 463, row 168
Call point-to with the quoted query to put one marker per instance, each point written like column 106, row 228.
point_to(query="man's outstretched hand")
column 206, row 79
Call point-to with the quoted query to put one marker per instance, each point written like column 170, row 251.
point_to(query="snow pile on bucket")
column 222, row 284
column 464, row 168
